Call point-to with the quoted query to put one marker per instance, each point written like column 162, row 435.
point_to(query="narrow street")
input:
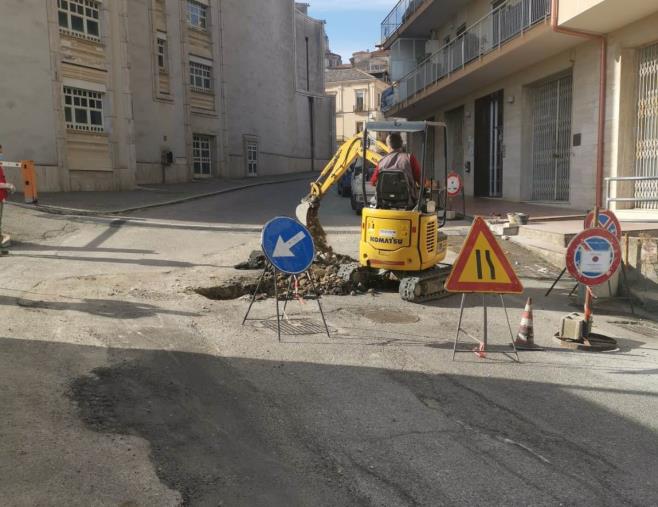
column 123, row 386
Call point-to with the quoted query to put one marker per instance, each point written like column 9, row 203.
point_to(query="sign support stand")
column 595, row 224
column 280, row 315
column 482, row 349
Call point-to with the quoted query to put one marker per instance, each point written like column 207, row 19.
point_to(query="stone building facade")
column 111, row 94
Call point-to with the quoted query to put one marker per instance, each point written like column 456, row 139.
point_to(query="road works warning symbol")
column 481, row 266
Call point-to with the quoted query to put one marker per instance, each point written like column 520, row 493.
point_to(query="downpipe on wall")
column 603, row 77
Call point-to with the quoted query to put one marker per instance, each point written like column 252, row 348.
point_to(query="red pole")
column 587, row 311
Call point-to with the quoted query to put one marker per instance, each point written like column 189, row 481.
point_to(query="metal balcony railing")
column 400, row 13
column 501, row 25
column 646, row 200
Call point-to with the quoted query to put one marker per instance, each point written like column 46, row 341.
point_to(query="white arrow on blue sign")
column 288, row 245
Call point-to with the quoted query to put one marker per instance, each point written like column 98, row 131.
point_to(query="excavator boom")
column 349, row 151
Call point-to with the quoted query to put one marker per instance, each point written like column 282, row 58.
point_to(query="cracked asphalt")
column 124, row 387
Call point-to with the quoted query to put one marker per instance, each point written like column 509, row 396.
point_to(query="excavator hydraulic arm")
column 349, row 151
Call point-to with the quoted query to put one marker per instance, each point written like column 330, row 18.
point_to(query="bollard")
column 29, row 181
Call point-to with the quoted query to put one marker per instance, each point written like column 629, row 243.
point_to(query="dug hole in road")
column 122, row 385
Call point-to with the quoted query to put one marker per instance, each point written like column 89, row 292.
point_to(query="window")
column 200, row 77
column 252, row 158
column 202, row 155
column 162, row 53
column 80, row 18
column 360, row 104
column 83, row 109
column 197, row 15
column 359, row 127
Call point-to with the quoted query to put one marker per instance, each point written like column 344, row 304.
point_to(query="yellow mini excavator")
column 399, row 238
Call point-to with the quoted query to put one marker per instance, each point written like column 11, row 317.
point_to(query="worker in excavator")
column 402, row 162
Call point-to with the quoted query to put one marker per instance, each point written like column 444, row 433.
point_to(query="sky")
column 352, row 25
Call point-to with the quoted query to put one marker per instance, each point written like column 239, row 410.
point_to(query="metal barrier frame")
column 610, row 179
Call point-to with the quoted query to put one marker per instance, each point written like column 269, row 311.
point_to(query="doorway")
column 551, row 105
column 489, row 145
column 202, row 155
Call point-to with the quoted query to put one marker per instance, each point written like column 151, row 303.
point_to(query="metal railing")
column 396, row 18
column 501, row 25
column 633, row 179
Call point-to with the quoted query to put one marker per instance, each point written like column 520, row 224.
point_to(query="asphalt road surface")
column 122, row 386
column 256, row 206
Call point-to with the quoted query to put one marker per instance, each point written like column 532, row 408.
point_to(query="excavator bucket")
column 307, row 213
column 302, row 212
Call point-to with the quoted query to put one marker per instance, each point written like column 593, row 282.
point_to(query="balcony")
column 398, row 16
column 492, row 33
column 416, row 18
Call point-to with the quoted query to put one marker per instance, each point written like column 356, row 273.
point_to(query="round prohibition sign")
column 607, row 220
column 593, row 256
column 454, row 184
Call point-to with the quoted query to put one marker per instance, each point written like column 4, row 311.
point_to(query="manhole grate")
column 296, row 327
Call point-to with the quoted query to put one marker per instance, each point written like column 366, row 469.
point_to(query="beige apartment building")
column 519, row 90
column 107, row 94
column 357, row 96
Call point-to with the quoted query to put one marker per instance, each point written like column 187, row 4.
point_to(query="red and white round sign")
column 593, row 256
column 607, row 220
column 454, row 184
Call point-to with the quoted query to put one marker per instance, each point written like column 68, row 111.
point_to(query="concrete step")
column 553, row 236
column 551, row 252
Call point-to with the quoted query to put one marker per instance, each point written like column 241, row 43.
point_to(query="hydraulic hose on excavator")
column 308, row 211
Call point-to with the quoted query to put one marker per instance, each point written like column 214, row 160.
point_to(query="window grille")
column 200, row 77
column 80, row 18
column 202, row 155
column 197, row 15
column 252, row 158
column 162, row 55
column 83, row 110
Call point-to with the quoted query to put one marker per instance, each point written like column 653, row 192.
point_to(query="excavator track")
column 422, row 286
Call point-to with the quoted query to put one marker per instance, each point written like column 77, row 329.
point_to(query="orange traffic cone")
column 525, row 339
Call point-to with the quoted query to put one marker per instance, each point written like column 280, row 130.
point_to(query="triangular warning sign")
column 481, row 266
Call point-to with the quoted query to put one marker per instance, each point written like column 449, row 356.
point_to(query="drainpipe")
column 603, row 76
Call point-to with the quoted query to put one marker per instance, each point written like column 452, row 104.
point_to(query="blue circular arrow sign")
column 288, row 245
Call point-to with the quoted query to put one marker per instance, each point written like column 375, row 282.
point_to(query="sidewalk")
column 149, row 196
column 482, row 206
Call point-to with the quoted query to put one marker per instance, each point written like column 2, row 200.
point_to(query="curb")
column 61, row 210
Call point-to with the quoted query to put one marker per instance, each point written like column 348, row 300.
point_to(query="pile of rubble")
column 328, row 274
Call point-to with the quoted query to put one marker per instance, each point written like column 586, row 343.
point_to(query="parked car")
column 344, row 185
column 356, row 199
